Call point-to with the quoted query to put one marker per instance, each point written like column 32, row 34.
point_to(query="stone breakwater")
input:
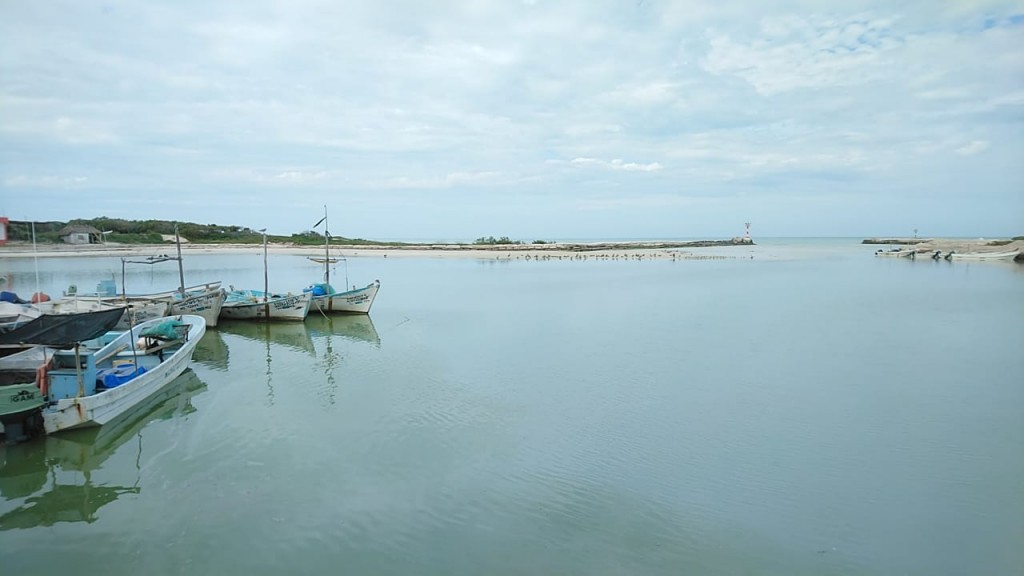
column 906, row 241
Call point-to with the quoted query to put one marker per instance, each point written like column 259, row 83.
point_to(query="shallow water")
column 800, row 407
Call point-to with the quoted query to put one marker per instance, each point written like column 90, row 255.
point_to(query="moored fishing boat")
column 1008, row 255
column 96, row 375
column 356, row 301
column 326, row 299
column 896, row 253
column 115, row 378
column 258, row 305
column 138, row 310
column 23, row 376
column 14, row 315
column 202, row 300
column 262, row 305
column 20, row 394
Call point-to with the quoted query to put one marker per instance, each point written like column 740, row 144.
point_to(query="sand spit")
column 960, row 246
column 553, row 251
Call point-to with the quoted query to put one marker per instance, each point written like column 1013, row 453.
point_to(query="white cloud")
column 795, row 52
column 52, row 182
column 545, row 101
column 617, row 164
column 972, row 148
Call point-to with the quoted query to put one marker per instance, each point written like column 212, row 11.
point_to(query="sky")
column 531, row 119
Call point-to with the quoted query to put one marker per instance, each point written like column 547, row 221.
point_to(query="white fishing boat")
column 896, row 253
column 138, row 310
column 14, row 315
column 202, row 299
column 95, row 386
column 23, row 375
column 56, row 475
column 262, row 305
column 327, row 299
column 259, row 305
column 356, row 301
column 1008, row 255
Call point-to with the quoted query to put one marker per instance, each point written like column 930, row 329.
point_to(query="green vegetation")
column 151, row 231
column 491, row 240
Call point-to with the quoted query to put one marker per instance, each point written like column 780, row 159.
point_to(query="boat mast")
column 266, row 279
column 35, row 256
column 327, row 249
column 181, row 270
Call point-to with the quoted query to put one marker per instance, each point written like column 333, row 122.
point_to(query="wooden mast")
column 327, row 249
column 266, row 279
column 181, row 269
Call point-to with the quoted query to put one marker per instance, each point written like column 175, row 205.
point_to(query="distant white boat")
column 321, row 260
column 983, row 255
column 897, row 253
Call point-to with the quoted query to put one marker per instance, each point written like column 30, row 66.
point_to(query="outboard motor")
column 949, row 255
column 937, row 254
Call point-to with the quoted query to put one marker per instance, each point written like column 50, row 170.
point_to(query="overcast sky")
column 528, row 118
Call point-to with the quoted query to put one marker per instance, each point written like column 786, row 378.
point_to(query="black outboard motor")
column 937, row 254
column 949, row 255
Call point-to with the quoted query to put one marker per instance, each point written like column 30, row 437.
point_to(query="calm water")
column 804, row 408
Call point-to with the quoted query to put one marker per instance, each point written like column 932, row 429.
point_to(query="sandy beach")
column 553, row 251
column 610, row 251
column 958, row 245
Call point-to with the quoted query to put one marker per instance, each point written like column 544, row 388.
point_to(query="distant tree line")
column 491, row 241
column 151, row 231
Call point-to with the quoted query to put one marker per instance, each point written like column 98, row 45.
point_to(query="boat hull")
column 294, row 307
column 356, row 301
column 139, row 311
column 103, row 407
column 897, row 253
column 206, row 303
column 202, row 300
column 986, row 255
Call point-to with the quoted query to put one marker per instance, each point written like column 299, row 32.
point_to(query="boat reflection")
column 320, row 337
column 356, row 327
column 294, row 335
column 212, row 351
column 36, row 472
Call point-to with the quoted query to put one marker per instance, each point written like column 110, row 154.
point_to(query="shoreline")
column 979, row 246
column 490, row 252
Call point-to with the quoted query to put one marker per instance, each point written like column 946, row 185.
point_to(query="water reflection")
column 294, row 335
column 212, row 351
column 300, row 335
column 36, row 472
column 356, row 327
column 321, row 342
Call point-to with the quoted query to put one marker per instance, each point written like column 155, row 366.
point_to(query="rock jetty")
column 907, row 241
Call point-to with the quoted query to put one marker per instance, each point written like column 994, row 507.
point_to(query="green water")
column 810, row 410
